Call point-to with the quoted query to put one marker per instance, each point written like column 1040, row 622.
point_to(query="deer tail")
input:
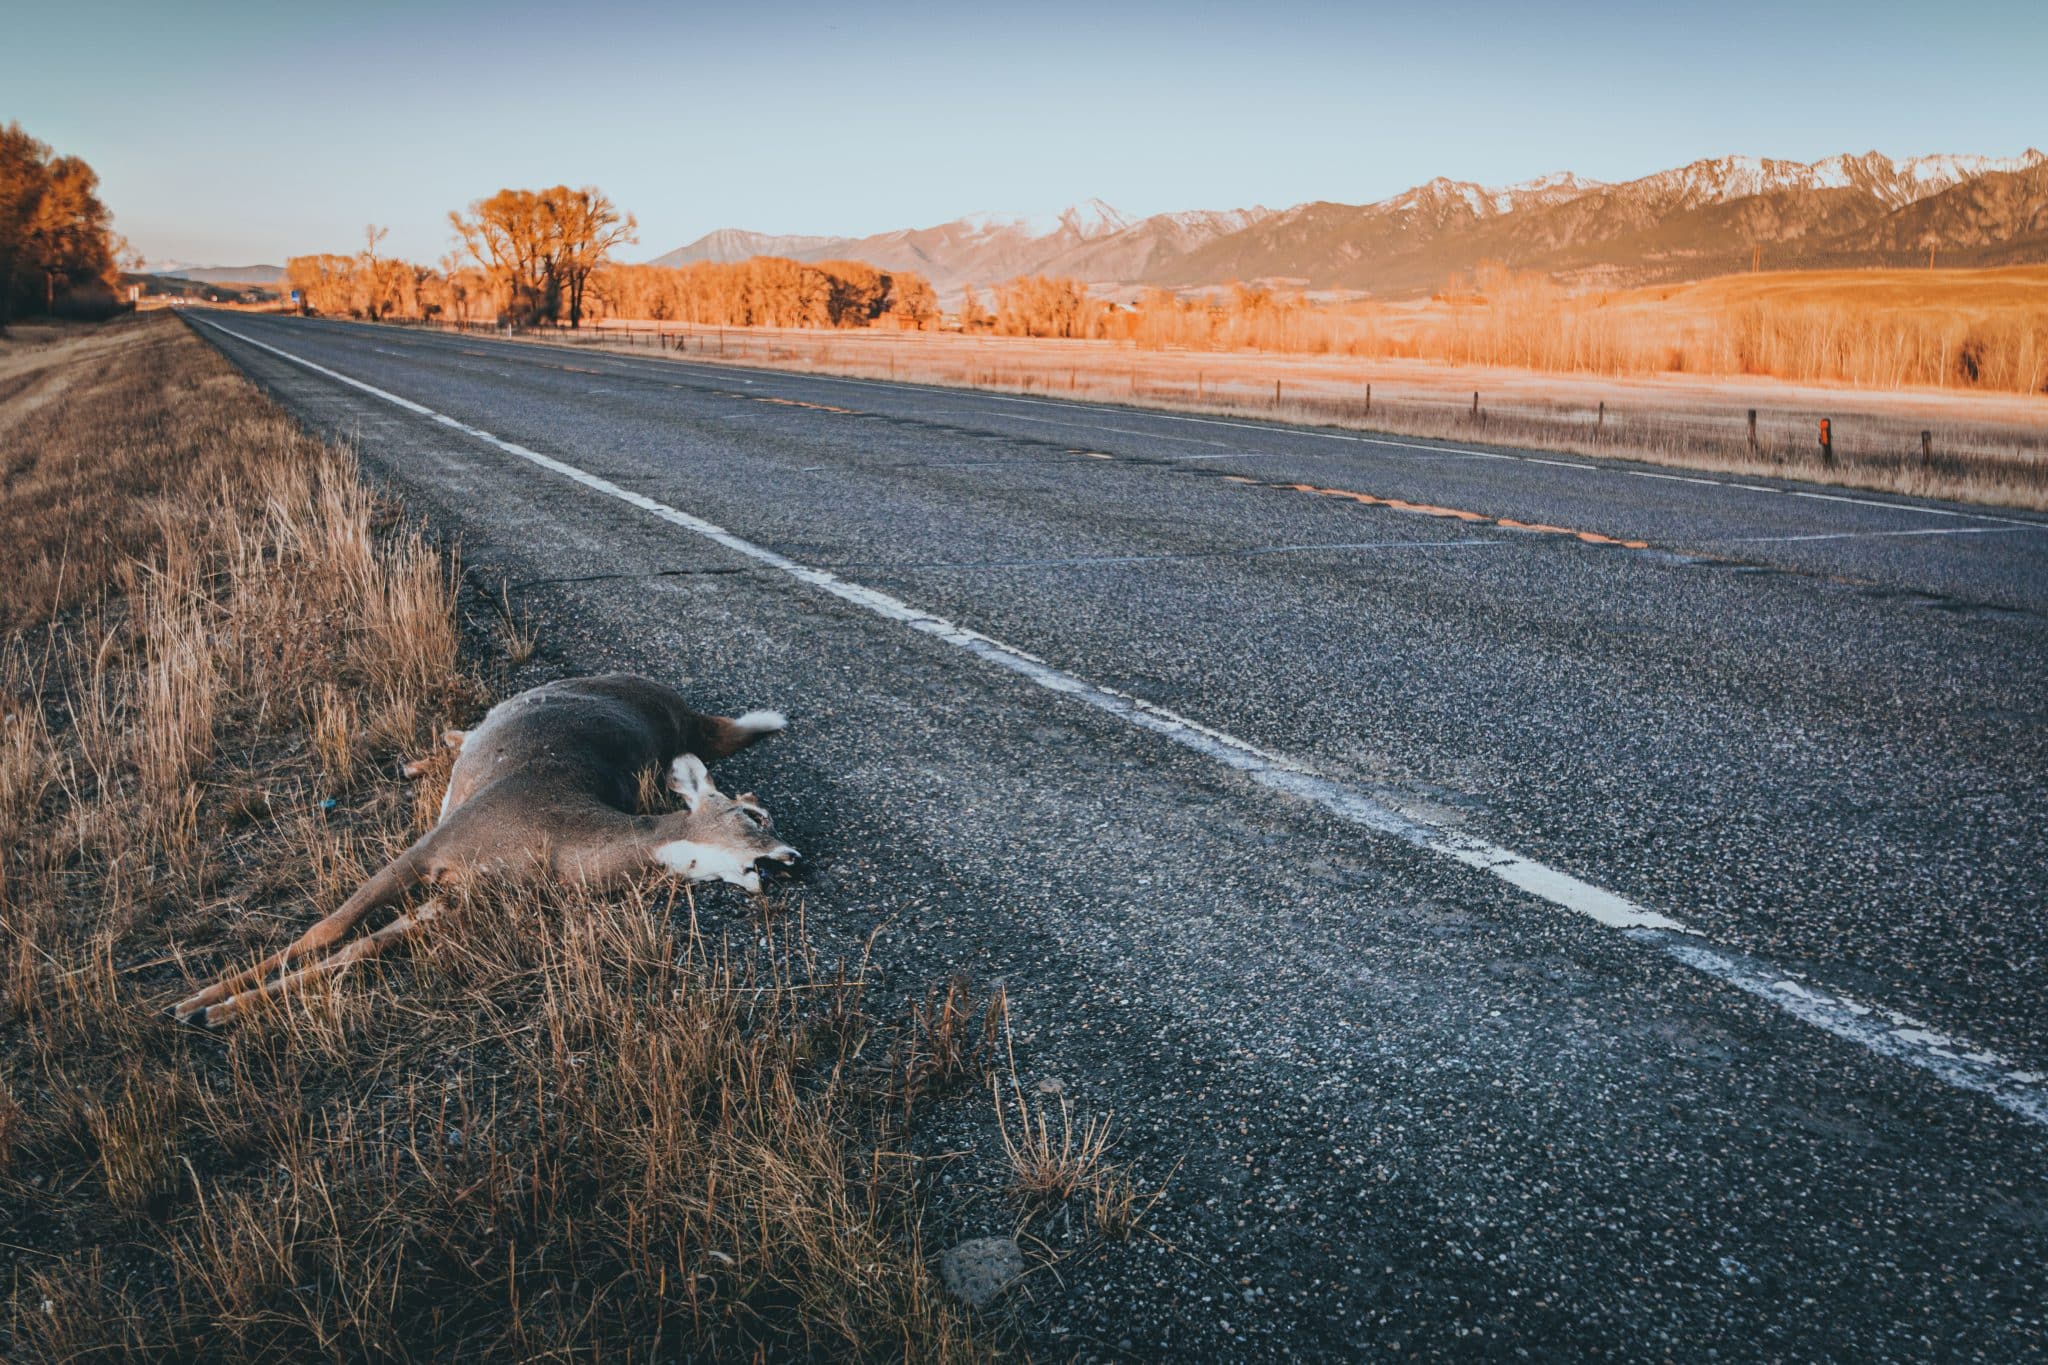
column 726, row 735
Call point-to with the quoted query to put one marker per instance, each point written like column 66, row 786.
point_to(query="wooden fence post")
column 1475, row 405
column 1600, row 422
column 1368, row 400
column 1927, row 448
column 1752, row 431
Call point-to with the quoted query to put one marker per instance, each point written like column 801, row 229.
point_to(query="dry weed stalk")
column 516, row 635
column 333, row 726
column 947, row 1041
column 1045, row 1167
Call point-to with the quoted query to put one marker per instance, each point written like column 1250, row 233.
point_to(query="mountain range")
column 1706, row 218
column 217, row 274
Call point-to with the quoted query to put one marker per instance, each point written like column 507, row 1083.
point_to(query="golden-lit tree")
column 973, row 317
column 911, row 296
column 541, row 246
column 587, row 226
column 325, row 282
column 57, row 246
column 508, row 236
column 1045, row 306
column 766, row 291
column 373, row 277
column 856, row 292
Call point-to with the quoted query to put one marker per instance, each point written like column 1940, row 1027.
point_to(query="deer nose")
column 781, row 853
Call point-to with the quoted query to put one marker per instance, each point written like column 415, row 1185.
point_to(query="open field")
column 1963, row 330
column 568, row 1126
column 1982, row 331
column 1986, row 446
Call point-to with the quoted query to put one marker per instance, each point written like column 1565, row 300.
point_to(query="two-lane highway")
column 1584, row 906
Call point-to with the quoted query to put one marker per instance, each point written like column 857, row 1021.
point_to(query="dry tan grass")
column 1984, row 330
column 571, row 1126
column 1049, row 1167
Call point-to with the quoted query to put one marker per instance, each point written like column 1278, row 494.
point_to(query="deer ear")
column 688, row 779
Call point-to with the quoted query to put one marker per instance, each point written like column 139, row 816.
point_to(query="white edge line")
column 1904, row 1039
column 1872, row 535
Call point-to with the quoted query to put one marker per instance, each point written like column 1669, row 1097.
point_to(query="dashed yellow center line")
column 793, row 403
column 1317, row 490
column 1458, row 514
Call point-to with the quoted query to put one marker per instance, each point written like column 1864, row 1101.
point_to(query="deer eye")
column 753, row 817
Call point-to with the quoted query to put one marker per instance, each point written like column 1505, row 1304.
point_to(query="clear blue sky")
column 230, row 133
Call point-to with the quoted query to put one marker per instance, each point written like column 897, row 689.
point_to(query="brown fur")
column 547, row 785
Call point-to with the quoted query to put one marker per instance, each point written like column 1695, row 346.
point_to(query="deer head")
column 715, row 837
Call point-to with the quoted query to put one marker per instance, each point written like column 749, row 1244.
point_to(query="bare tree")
column 588, row 226
column 372, row 280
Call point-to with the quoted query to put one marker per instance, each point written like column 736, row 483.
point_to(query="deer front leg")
column 401, row 930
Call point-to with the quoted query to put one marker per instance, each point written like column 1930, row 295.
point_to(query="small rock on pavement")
column 980, row 1269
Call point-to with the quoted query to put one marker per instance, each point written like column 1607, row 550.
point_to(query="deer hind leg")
column 320, row 936
column 388, row 885
column 401, row 930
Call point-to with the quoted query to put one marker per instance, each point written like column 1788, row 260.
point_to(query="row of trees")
column 526, row 256
column 57, row 245
column 543, row 256
column 768, row 291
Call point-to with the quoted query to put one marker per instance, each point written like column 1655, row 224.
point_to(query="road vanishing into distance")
column 1545, row 908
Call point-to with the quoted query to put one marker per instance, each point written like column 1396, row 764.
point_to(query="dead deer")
column 549, row 785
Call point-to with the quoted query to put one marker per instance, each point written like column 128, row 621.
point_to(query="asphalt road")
column 1523, row 942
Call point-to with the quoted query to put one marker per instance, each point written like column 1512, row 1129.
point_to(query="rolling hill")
column 219, row 274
